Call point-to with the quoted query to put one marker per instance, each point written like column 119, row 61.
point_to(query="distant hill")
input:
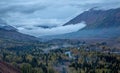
column 11, row 33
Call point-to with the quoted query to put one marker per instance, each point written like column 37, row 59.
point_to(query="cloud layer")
column 52, row 31
column 31, row 15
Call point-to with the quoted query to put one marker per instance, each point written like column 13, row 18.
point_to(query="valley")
column 95, row 48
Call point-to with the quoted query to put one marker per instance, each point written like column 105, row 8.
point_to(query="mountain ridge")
column 98, row 18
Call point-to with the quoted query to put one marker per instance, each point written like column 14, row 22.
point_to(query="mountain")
column 11, row 33
column 101, row 24
column 96, row 19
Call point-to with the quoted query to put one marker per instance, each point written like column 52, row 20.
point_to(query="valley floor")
column 52, row 58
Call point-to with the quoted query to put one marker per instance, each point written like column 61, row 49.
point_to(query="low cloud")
column 53, row 31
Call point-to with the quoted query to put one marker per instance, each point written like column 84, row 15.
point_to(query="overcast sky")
column 34, row 16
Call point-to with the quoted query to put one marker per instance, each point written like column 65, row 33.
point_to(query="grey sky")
column 27, row 14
